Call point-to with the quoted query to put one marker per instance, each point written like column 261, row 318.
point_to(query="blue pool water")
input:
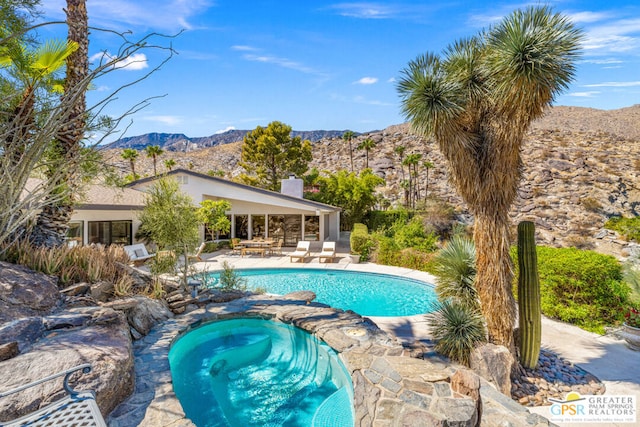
column 254, row 372
column 368, row 294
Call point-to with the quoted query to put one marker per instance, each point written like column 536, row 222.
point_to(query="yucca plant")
column 123, row 287
column 457, row 329
column 455, row 269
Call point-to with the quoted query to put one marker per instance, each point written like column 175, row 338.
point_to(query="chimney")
column 292, row 187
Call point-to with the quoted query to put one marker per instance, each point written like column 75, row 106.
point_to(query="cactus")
column 530, row 321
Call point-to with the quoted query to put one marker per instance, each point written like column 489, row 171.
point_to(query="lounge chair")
column 138, row 253
column 77, row 408
column 197, row 256
column 328, row 251
column 301, row 252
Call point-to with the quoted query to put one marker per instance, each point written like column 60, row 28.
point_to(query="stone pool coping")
column 390, row 387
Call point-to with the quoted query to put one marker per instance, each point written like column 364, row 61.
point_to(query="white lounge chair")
column 301, row 252
column 197, row 256
column 138, row 253
column 328, row 251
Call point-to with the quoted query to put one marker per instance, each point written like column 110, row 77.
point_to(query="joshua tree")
column 131, row 154
column 477, row 101
column 367, row 145
column 154, row 151
column 348, row 136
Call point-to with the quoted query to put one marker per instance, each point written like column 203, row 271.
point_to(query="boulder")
column 104, row 343
column 146, row 314
column 493, row 363
column 25, row 293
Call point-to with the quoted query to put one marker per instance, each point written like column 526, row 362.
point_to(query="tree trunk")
column 494, row 276
column 53, row 221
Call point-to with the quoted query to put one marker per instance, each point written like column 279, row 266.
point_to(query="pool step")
column 335, row 411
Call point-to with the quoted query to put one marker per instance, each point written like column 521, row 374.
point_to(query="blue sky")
column 322, row 64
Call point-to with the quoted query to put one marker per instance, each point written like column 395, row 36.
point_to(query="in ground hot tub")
column 255, row 372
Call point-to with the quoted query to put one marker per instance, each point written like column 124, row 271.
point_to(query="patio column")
column 233, row 226
column 250, row 225
column 302, row 228
column 321, row 231
column 266, row 225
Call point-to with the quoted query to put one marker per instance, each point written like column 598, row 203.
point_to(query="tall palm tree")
column 348, row 136
column 427, row 165
column 477, row 101
column 154, row 151
column 131, row 154
column 53, row 221
column 412, row 161
column 367, row 145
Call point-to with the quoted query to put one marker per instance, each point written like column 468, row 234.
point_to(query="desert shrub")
column 70, row 265
column 629, row 228
column 361, row 241
column 413, row 235
column 457, row 329
column 455, row 269
column 230, row 279
column 581, row 287
column 389, row 253
column 438, row 215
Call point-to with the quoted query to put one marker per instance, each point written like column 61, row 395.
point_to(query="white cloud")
column 391, row 80
column 137, row 61
column 363, row 100
column 614, row 84
column 588, row 94
column 281, row 62
column 165, row 120
column 227, row 129
column 244, row 48
column 367, row 81
column 588, row 17
column 364, row 10
column 603, row 61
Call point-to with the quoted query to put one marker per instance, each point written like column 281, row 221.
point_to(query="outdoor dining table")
column 256, row 246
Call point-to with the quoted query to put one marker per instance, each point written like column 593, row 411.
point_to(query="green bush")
column 378, row 220
column 361, row 242
column 581, row 287
column 388, row 253
column 629, row 228
column 414, row 235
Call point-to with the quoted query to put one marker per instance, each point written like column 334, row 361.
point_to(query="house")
column 256, row 212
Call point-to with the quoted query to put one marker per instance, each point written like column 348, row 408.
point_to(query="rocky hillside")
column 181, row 142
column 581, row 167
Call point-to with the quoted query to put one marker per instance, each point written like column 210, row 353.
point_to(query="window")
column 75, row 233
column 110, row 232
column 257, row 225
column 242, row 226
column 311, row 227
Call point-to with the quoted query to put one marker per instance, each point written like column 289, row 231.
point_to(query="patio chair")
column 196, row 256
column 328, row 251
column 276, row 247
column 77, row 408
column 236, row 247
column 301, row 252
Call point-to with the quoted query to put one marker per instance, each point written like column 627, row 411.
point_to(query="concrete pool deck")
column 606, row 357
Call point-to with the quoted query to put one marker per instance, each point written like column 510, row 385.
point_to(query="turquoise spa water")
column 368, row 294
column 254, row 372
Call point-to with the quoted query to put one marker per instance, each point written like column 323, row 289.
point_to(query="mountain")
column 580, row 167
column 181, row 142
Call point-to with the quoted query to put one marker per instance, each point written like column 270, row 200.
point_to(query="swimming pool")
column 368, row 294
column 256, row 372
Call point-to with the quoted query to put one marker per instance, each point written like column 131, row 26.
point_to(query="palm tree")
column 348, row 136
column 154, row 151
column 411, row 161
column 169, row 163
column 477, row 102
column 131, row 154
column 53, row 221
column 427, row 165
column 367, row 145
